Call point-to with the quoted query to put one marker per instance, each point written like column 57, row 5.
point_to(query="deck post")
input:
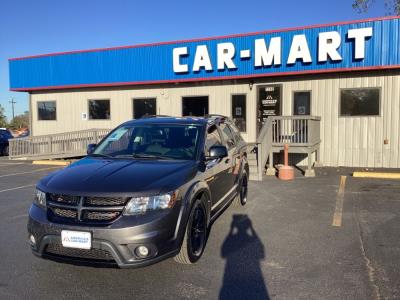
column 310, row 172
column 317, row 163
column 271, row 170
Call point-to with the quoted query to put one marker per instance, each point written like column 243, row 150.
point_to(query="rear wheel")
column 195, row 236
column 241, row 198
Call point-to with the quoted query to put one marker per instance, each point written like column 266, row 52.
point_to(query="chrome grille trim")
column 80, row 212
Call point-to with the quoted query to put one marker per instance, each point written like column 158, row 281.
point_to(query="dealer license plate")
column 76, row 239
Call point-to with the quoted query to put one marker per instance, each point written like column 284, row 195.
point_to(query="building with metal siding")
column 123, row 74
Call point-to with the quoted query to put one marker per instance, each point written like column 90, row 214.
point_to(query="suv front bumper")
column 115, row 243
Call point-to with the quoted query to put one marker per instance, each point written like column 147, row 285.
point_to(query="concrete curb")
column 51, row 162
column 377, row 175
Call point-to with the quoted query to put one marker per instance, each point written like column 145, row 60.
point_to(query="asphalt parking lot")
column 281, row 245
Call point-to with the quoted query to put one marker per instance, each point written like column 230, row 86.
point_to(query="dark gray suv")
column 149, row 190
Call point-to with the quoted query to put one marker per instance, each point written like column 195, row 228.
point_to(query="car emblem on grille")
column 80, row 208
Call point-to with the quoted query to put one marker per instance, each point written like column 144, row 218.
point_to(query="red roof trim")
column 205, row 79
column 211, row 38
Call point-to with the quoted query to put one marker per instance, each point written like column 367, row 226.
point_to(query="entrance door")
column 144, row 107
column 195, row 106
column 269, row 103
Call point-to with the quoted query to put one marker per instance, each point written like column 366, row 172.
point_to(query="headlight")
column 140, row 205
column 40, row 199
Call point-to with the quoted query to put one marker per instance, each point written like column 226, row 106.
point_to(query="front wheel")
column 195, row 236
column 241, row 198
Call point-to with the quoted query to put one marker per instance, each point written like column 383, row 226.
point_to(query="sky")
column 44, row 26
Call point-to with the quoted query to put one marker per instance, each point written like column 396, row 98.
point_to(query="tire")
column 191, row 251
column 241, row 197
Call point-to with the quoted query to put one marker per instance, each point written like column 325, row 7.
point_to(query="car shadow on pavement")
column 243, row 251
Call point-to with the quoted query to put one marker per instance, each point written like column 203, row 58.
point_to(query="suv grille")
column 92, row 254
column 64, row 199
column 100, row 201
column 84, row 210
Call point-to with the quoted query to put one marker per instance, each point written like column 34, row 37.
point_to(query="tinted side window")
column 236, row 133
column 213, row 138
column 227, row 135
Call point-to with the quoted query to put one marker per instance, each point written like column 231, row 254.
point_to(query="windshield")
column 161, row 141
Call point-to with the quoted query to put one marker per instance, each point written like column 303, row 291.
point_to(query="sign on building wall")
column 358, row 45
column 269, row 102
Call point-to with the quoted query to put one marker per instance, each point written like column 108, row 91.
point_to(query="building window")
column 301, row 103
column 360, row 102
column 47, row 110
column 144, row 107
column 196, row 106
column 239, row 111
column 99, row 109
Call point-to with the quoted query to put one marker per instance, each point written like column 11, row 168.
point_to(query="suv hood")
column 94, row 176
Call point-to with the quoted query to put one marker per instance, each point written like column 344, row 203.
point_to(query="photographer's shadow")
column 243, row 251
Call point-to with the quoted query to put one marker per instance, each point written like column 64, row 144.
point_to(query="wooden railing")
column 296, row 130
column 60, row 145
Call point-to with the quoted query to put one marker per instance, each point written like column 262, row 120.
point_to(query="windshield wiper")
column 100, row 155
column 144, row 155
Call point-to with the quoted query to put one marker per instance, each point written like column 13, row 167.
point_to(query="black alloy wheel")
column 243, row 190
column 241, row 197
column 195, row 237
column 198, row 231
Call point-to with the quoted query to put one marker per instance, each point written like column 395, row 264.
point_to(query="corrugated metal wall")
column 346, row 141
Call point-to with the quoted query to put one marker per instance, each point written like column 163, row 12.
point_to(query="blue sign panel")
column 359, row 45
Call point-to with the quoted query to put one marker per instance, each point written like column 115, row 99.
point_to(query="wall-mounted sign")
column 270, row 54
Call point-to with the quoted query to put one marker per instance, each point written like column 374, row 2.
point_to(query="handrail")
column 58, row 134
column 296, row 118
column 264, row 145
column 264, row 130
column 66, row 144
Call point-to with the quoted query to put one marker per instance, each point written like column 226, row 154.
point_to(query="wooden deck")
column 301, row 133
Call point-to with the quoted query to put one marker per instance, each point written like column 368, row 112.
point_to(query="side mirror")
column 217, row 152
column 90, row 148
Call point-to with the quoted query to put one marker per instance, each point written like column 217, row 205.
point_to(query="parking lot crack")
column 367, row 260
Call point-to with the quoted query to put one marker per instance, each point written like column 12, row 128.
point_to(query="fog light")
column 32, row 240
column 142, row 251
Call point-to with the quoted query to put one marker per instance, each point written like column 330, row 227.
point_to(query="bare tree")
column 392, row 6
column 20, row 121
column 3, row 119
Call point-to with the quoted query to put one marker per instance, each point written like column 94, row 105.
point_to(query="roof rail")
column 215, row 116
column 155, row 116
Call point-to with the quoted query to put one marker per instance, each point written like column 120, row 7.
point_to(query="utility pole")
column 12, row 105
